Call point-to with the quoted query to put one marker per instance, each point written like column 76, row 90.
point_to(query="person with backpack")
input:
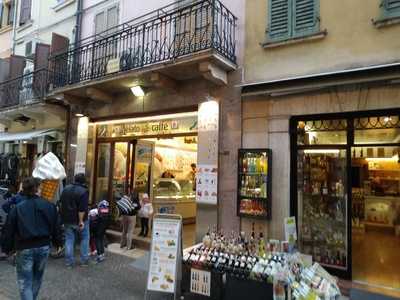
column 99, row 220
column 74, row 214
column 128, row 208
column 31, row 226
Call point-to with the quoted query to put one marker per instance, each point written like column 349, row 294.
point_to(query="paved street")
column 116, row 278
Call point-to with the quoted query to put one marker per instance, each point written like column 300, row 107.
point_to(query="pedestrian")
column 30, row 227
column 145, row 213
column 98, row 224
column 74, row 214
column 128, row 208
column 12, row 201
column 93, row 213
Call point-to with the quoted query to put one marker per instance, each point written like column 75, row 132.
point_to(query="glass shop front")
column 345, row 192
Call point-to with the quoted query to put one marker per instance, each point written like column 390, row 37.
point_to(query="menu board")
column 207, row 184
column 164, row 255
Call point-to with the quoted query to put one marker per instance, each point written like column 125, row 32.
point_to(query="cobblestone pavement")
column 114, row 279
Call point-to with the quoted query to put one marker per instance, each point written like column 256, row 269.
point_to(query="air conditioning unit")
column 26, row 94
column 30, row 48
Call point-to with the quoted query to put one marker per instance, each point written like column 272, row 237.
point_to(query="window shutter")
column 99, row 23
column 25, row 14
column 305, row 17
column 11, row 13
column 112, row 17
column 1, row 14
column 391, row 8
column 279, row 16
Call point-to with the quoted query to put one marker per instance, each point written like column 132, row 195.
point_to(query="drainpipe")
column 14, row 26
column 78, row 25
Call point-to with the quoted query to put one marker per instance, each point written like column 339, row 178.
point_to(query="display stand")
column 165, row 267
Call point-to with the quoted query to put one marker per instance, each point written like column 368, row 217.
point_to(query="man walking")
column 74, row 214
column 31, row 226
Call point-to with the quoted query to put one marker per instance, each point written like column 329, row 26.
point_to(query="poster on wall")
column 207, row 184
column 80, row 167
column 165, row 254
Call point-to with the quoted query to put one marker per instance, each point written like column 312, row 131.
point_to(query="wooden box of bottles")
column 254, row 183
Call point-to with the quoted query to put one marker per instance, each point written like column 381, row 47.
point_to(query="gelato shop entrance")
column 156, row 156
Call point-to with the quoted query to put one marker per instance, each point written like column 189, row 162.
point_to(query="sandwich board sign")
column 165, row 256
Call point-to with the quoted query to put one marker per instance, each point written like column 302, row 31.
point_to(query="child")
column 93, row 214
column 99, row 227
column 146, row 212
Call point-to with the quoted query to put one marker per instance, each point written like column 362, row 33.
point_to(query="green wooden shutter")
column 279, row 18
column 391, row 8
column 305, row 17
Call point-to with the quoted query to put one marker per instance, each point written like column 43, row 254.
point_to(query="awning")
column 27, row 135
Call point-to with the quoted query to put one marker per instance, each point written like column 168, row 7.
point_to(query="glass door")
column 102, row 172
column 322, row 205
column 142, row 179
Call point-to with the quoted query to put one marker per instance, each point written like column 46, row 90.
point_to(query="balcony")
column 169, row 40
column 27, row 89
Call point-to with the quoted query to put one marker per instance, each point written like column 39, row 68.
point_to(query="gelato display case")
column 173, row 196
column 254, row 183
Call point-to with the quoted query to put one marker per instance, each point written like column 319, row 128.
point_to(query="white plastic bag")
column 50, row 168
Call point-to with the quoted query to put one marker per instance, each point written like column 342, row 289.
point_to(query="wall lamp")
column 137, row 91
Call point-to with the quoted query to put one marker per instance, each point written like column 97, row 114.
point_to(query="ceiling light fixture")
column 137, row 91
column 79, row 115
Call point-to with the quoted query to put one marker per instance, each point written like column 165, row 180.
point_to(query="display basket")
column 49, row 189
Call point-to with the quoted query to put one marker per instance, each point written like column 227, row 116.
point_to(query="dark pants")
column 99, row 231
column 145, row 226
column 30, row 269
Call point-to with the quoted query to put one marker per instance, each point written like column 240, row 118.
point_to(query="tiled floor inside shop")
column 376, row 258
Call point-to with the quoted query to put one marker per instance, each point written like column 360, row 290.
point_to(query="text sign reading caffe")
column 149, row 128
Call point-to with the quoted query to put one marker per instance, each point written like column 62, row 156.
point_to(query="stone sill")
column 385, row 22
column 316, row 36
column 25, row 26
column 62, row 5
column 5, row 29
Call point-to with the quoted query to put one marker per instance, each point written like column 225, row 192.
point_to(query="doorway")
column 164, row 167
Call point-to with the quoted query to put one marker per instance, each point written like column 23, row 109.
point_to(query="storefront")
column 162, row 155
column 345, row 192
column 19, row 152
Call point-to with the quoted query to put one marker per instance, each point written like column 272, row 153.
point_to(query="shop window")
column 292, row 19
column 322, row 205
column 103, row 171
column 322, row 132
column 373, row 130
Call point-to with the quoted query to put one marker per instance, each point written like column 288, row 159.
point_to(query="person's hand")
column 81, row 225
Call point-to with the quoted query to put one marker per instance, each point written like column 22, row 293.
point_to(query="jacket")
column 11, row 202
column 74, row 199
column 146, row 211
column 33, row 223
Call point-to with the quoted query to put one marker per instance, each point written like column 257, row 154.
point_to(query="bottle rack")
column 254, row 183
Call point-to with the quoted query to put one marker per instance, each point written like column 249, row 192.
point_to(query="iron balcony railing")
column 27, row 89
column 166, row 34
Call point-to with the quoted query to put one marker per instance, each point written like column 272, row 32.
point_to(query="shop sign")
column 161, row 127
column 165, row 254
column 113, row 65
column 200, row 282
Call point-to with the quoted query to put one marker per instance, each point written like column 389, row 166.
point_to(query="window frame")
column 292, row 32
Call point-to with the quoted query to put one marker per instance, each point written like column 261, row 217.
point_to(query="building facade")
column 7, row 9
column 32, row 125
column 159, row 88
column 323, row 94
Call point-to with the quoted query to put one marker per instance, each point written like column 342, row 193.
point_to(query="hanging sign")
column 165, row 255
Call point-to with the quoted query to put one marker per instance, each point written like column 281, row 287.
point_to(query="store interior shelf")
column 252, row 198
column 246, row 215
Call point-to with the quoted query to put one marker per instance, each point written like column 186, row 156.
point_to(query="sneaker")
column 84, row 264
column 131, row 247
column 101, row 258
column 69, row 266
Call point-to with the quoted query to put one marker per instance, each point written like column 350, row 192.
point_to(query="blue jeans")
column 71, row 231
column 30, row 269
